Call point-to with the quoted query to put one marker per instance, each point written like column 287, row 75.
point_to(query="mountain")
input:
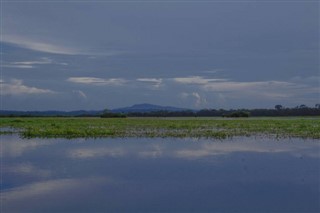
column 147, row 108
column 135, row 108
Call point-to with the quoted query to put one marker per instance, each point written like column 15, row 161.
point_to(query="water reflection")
column 160, row 175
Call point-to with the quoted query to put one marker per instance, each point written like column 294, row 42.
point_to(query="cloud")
column 18, row 66
column 306, row 80
column 16, row 87
column 52, row 188
column 40, row 45
column 199, row 101
column 155, row 151
column 213, row 71
column 248, row 145
column 37, row 196
column 234, row 86
column 260, row 89
column 196, row 80
column 31, row 64
column 272, row 90
column 27, row 169
column 226, row 85
column 43, row 60
column 98, row 81
column 96, row 152
column 156, row 82
column 151, row 80
column 13, row 146
column 53, row 47
column 80, row 94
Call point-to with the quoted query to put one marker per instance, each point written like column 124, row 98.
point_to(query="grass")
column 304, row 127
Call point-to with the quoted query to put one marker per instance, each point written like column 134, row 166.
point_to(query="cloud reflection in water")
column 160, row 174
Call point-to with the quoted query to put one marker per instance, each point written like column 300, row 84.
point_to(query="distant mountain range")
column 147, row 108
column 135, row 108
column 153, row 110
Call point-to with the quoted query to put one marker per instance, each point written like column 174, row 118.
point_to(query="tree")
column 238, row 114
column 106, row 111
column 109, row 114
column 303, row 106
column 278, row 107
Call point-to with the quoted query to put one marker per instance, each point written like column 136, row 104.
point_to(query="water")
column 160, row 175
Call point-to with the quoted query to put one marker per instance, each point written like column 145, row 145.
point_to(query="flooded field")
column 243, row 174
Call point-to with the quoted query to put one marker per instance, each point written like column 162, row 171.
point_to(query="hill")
column 147, row 108
column 137, row 108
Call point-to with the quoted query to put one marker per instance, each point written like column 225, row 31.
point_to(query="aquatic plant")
column 307, row 127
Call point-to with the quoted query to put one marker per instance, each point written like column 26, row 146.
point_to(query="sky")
column 92, row 55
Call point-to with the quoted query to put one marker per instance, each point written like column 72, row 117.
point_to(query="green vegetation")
column 109, row 114
column 238, row 114
column 159, row 111
column 160, row 127
column 113, row 115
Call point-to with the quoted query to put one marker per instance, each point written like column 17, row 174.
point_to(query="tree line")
column 279, row 110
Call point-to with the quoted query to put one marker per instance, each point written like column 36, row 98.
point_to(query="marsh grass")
column 159, row 127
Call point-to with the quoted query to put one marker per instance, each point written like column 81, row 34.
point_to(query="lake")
column 244, row 174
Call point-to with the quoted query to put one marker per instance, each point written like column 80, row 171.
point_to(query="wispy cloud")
column 95, row 152
column 40, row 46
column 80, row 94
column 43, row 60
column 260, row 89
column 272, row 90
column 27, row 168
column 151, row 80
column 236, row 86
column 311, row 80
column 98, row 81
column 155, row 82
column 39, row 190
column 32, row 64
column 54, row 47
column 14, row 147
column 19, row 66
column 16, row 87
column 213, row 71
column 196, row 80
column 248, row 145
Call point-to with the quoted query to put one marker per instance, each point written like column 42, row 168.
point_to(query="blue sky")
column 210, row 54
